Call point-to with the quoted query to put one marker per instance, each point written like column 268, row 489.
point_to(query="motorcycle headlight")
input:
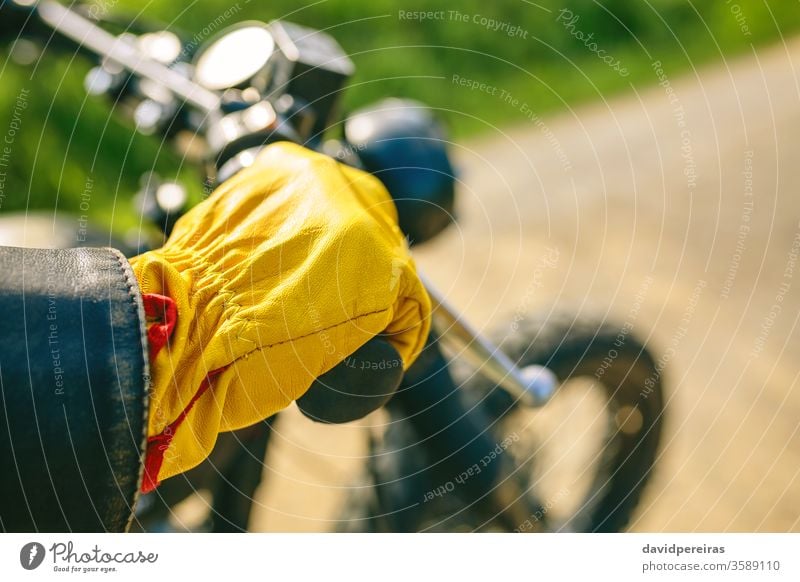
column 238, row 57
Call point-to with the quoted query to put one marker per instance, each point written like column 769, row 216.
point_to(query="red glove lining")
column 164, row 311
column 158, row 444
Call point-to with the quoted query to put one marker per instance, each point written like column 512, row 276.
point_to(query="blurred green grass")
column 66, row 138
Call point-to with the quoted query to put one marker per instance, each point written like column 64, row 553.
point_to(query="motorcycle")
column 479, row 433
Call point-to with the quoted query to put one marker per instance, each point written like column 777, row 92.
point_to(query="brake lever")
column 532, row 386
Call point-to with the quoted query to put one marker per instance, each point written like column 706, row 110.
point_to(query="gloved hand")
column 278, row 276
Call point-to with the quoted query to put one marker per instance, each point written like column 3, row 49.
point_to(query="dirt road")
column 687, row 195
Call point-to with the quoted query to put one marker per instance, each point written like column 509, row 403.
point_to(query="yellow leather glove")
column 284, row 271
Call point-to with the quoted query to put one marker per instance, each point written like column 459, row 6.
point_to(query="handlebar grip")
column 361, row 383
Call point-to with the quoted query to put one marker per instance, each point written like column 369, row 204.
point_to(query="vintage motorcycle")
column 556, row 431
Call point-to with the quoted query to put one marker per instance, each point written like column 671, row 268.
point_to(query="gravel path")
column 677, row 209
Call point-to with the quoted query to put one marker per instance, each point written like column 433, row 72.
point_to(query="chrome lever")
column 532, row 385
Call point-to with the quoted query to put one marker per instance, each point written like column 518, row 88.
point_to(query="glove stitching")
column 317, row 331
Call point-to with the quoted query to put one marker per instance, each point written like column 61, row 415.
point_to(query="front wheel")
column 588, row 454
column 579, row 463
